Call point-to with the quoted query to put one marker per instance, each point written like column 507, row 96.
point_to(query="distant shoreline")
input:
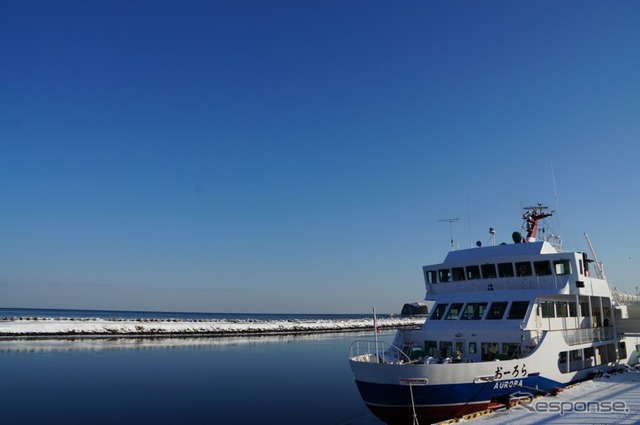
column 48, row 328
column 73, row 335
column 178, row 335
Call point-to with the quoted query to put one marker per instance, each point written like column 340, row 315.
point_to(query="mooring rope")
column 413, row 405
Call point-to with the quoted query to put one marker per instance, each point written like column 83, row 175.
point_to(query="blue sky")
column 290, row 157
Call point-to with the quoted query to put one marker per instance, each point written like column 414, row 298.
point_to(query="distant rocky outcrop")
column 412, row 309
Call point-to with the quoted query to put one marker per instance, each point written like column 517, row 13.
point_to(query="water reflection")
column 92, row 343
column 287, row 379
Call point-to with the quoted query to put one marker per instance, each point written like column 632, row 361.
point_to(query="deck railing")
column 377, row 352
column 585, row 335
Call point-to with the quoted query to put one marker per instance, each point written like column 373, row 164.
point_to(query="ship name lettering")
column 508, row 384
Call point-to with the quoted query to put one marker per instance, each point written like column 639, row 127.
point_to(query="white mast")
column 597, row 263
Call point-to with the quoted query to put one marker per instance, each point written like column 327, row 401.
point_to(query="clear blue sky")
column 297, row 156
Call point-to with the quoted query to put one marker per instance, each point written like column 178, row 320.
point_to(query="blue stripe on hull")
column 439, row 402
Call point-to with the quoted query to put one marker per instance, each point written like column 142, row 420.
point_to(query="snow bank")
column 34, row 326
column 610, row 399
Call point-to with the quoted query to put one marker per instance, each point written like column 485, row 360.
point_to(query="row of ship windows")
column 454, row 349
column 584, row 358
column 563, row 309
column 491, row 271
column 578, row 359
column 477, row 310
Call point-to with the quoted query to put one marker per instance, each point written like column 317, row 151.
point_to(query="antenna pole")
column 555, row 195
column 451, row 221
column 492, row 232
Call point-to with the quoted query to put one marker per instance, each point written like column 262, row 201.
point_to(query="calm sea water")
column 234, row 380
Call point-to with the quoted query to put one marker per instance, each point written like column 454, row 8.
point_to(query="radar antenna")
column 451, row 221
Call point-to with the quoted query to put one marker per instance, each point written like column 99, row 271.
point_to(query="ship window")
column 589, row 357
column 489, row 350
column 602, row 354
column 446, row 348
column 586, row 264
column 477, row 315
column 489, row 271
column 573, row 309
column 454, row 311
column 432, row 276
column 576, row 354
column 589, row 353
column 611, row 353
column 509, row 349
column 431, row 347
column 467, row 313
column 584, row 309
column 562, row 267
column 523, row 268
column 561, row 309
column 562, row 361
column 518, row 310
column 546, row 308
column 473, row 272
column 543, row 268
column 496, row 310
column 445, row 275
column 473, row 311
column 575, row 359
column 563, row 357
column 622, row 350
column 505, row 270
column 457, row 273
column 473, row 347
column 438, row 312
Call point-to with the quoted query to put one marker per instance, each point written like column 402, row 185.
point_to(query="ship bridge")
column 520, row 266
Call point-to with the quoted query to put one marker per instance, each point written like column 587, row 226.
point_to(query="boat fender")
column 555, row 391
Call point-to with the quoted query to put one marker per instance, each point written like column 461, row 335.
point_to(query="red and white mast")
column 532, row 217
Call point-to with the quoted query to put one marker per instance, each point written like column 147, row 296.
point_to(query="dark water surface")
column 236, row 380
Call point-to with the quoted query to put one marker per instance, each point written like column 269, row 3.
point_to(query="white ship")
column 507, row 322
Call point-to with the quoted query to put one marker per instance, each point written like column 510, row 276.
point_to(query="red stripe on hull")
column 426, row 414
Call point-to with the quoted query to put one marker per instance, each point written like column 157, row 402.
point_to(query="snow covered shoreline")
column 64, row 327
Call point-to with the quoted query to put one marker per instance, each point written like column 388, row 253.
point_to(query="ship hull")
column 395, row 404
